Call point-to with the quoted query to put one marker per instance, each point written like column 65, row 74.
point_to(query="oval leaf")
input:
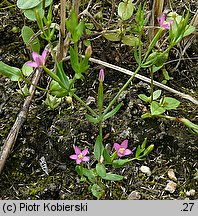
column 125, row 10
column 27, row 4
column 130, row 40
column 30, row 14
column 97, row 191
column 112, row 36
column 156, row 94
column 27, row 33
column 119, row 163
column 170, row 103
column 101, row 170
column 113, row 177
column 12, row 73
column 156, row 109
column 27, row 70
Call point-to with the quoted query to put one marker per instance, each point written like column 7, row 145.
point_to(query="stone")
column 171, row 175
column 171, row 187
column 146, row 170
column 134, row 195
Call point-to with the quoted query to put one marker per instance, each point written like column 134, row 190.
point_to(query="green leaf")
column 74, row 61
column 189, row 30
column 52, row 101
column 98, row 148
column 92, row 119
column 112, row 36
column 53, row 76
column 26, row 34
column 151, row 59
column 120, row 163
column 27, row 4
column 13, row 73
column 113, row 177
column 144, row 98
column 146, row 115
column 113, row 112
column 57, row 90
column 90, row 175
column 72, row 22
column 97, row 191
column 125, row 9
column 170, row 103
column 156, row 94
column 144, row 143
column 101, row 170
column 139, row 150
column 156, row 108
column 161, row 59
column 61, row 74
column 165, row 74
column 137, row 55
column 79, row 170
column 107, row 157
column 30, row 13
column 79, row 30
column 155, row 68
column 27, row 70
column 24, row 91
column 130, row 40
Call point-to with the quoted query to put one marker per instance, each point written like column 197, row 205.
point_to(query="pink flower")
column 80, row 156
column 122, row 149
column 101, row 75
column 163, row 23
column 39, row 60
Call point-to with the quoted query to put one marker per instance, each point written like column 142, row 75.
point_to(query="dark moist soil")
column 52, row 134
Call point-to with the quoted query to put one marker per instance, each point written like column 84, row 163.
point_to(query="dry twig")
column 12, row 136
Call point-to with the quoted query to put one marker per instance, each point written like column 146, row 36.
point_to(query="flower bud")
column 68, row 99
column 101, row 75
column 88, row 51
column 148, row 150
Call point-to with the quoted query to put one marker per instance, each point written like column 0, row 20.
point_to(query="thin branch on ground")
column 12, row 136
column 141, row 77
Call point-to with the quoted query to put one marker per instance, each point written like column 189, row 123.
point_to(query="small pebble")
column 171, row 187
column 146, row 170
column 190, row 193
column 134, row 195
column 171, row 175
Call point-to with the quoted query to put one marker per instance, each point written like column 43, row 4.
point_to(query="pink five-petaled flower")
column 122, row 150
column 163, row 23
column 39, row 60
column 80, row 156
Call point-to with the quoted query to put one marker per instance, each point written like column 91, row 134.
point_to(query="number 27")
column 188, row 206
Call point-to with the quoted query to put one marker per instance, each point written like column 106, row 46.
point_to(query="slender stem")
column 100, row 129
column 151, row 92
column 121, row 90
column 85, row 105
column 167, row 117
column 29, row 82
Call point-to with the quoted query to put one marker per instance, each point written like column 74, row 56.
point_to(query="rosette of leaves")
column 29, row 6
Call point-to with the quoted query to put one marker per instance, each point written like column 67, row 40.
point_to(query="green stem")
column 121, row 90
column 29, row 82
column 152, row 44
column 85, row 105
column 168, row 117
column 151, row 92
